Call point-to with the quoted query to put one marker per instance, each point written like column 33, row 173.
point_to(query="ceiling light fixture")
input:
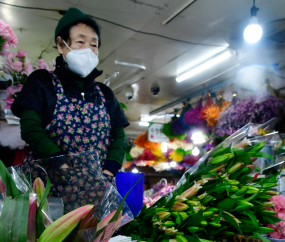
column 107, row 80
column 205, row 65
column 144, row 124
column 180, row 10
column 253, row 31
column 130, row 64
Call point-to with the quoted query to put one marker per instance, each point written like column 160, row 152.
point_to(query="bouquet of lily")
column 24, row 216
column 214, row 200
column 7, row 38
column 17, row 68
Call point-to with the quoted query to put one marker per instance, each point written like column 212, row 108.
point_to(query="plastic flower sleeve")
column 80, row 184
column 241, row 138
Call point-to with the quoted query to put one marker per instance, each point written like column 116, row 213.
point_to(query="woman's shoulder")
column 107, row 91
column 39, row 75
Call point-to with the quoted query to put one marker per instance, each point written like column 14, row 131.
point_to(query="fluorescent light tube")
column 144, row 123
column 129, row 64
column 207, row 64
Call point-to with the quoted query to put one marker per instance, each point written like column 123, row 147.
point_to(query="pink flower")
column 43, row 64
column 279, row 202
column 5, row 49
column 275, row 234
column 9, row 102
column 21, row 53
column 29, row 69
column 17, row 66
column 11, row 90
column 19, row 87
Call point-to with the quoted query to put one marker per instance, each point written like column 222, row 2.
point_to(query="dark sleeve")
column 34, row 134
column 116, row 151
column 32, row 95
column 117, row 116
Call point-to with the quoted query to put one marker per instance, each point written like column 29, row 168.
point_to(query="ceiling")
column 132, row 31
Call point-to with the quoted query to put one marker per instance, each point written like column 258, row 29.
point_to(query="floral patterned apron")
column 76, row 126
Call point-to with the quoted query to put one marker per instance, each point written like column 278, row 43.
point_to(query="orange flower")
column 142, row 141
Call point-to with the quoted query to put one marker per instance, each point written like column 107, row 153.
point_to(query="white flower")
column 136, row 152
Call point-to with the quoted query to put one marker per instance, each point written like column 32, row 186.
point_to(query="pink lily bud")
column 252, row 159
column 2, row 189
column 218, row 168
column 271, row 193
column 235, row 167
column 192, row 191
column 267, row 204
column 252, row 167
column 171, row 231
column 163, row 215
column 32, row 218
column 161, row 228
column 180, row 199
column 179, row 207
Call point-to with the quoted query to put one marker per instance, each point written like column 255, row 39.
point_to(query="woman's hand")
column 64, row 166
column 108, row 173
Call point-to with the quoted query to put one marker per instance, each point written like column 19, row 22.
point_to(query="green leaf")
column 237, row 151
column 195, row 220
column 207, row 199
column 252, row 217
column 2, row 41
column 180, row 190
column 14, row 218
column 257, row 169
column 123, row 106
column 245, row 158
column 254, row 195
column 231, row 220
column 191, row 238
column 257, row 235
column 11, row 189
column 261, row 154
column 257, row 145
column 208, row 175
column 227, row 204
column 217, row 219
column 169, row 204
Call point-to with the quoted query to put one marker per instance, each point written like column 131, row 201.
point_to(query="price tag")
column 155, row 133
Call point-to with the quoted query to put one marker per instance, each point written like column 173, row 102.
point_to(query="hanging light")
column 195, row 151
column 135, row 170
column 164, row 147
column 253, row 31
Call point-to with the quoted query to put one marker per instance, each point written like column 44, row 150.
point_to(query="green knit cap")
column 73, row 15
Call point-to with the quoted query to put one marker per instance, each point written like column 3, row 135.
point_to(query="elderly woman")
column 68, row 112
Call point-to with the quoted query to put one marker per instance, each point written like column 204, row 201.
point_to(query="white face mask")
column 82, row 61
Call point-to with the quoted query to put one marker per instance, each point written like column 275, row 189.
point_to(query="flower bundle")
column 7, row 38
column 142, row 141
column 279, row 208
column 191, row 117
column 24, row 218
column 19, row 67
column 212, row 113
column 253, row 109
column 217, row 201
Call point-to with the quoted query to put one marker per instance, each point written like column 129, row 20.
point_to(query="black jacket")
column 39, row 94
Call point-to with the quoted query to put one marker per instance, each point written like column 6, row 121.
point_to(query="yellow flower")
column 176, row 157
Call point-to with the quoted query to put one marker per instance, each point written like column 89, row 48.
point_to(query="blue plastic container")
column 125, row 181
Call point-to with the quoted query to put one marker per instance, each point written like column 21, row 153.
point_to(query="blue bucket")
column 125, row 181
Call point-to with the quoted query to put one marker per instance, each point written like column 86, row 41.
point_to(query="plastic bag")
column 248, row 133
column 80, row 184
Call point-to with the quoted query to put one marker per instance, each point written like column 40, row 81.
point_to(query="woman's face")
column 82, row 36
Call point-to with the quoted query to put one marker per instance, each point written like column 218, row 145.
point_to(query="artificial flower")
column 147, row 155
column 142, row 141
column 17, row 66
column 208, row 103
column 191, row 117
column 7, row 34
